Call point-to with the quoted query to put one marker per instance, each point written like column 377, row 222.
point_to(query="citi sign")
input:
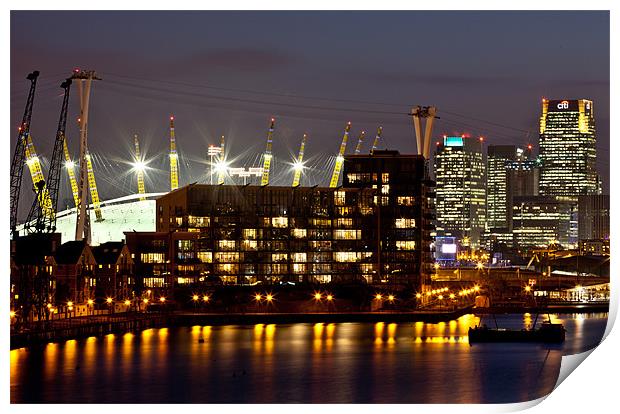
column 563, row 105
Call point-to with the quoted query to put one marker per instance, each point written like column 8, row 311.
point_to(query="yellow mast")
column 69, row 165
column 267, row 156
column 92, row 185
column 140, row 169
column 298, row 166
column 222, row 159
column 340, row 158
column 375, row 144
column 174, row 158
column 358, row 147
column 34, row 165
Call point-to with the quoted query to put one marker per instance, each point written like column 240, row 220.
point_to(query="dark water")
column 319, row 363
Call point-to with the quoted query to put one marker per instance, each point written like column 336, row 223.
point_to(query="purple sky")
column 228, row 72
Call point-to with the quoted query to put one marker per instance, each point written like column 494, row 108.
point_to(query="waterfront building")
column 114, row 270
column 75, row 273
column 593, row 217
column 544, row 220
column 499, row 186
column 460, row 190
column 568, row 148
column 373, row 229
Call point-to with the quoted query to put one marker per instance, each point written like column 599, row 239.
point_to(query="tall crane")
column 267, row 157
column 42, row 197
column 360, row 140
column 174, row 158
column 19, row 157
column 84, row 80
column 221, row 173
column 139, row 167
column 375, row 144
column 46, row 204
column 69, row 164
column 340, row 158
column 298, row 166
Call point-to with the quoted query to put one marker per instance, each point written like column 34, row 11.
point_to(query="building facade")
column 460, row 190
column 568, row 148
column 374, row 229
column 499, row 186
column 594, row 217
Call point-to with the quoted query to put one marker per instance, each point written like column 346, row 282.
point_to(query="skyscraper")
column 460, row 192
column 499, row 191
column 568, row 148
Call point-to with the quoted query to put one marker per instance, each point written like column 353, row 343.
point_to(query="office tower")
column 460, row 190
column 499, row 186
column 568, row 148
column 594, row 217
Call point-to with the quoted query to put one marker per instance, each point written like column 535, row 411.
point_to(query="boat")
column 548, row 332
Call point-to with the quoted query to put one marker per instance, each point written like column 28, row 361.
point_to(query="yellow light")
column 269, row 297
column 528, row 288
column 428, row 293
column 436, row 266
column 476, row 288
column 378, row 296
column 49, row 306
column 90, row 302
column 258, row 297
column 109, row 300
column 317, row 296
column 145, row 300
column 70, row 308
column 330, row 297
column 433, row 291
column 138, row 166
column 440, row 297
column 162, row 299
column 298, row 166
column 12, row 314
column 451, row 295
column 69, row 303
column 127, row 302
column 69, row 165
column 148, row 292
column 195, row 297
column 391, row 298
column 206, row 298
column 418, row 295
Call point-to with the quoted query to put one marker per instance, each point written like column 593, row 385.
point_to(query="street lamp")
column 317, row 296
column 206, row 298
column 329, row 298
column 378, row 296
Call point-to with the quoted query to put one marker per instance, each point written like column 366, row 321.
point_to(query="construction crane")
column 174, row 158
column 375, row 144
column 69, row 164
column 340, row 158
column 298, row 166
column 45, row 206
column 221, row 163
column 267, row 157
column 19, row 157
column 360, row 140
column 139, row 166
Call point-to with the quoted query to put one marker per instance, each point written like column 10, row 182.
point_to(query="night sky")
column 229, row 72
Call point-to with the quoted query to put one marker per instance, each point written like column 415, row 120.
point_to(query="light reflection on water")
column 322, row 362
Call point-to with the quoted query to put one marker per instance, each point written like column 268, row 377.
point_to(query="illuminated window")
column 249, row 233
column 179, row 221
column 226, row 244
column 152, row 257
column 279, row 257
column 227, row 268
column 249, row 245
column 404, row 223
column 385, row 201
column 205, row 257
column 344, row 222
column 405, row 245
column 385, row 178
column 339, row 198
column 344, row 211
column 347, row 234
column 299, row 233
column 196, row 221
column 366, row 267
column 298, row 257
column 320, row 222
column 405, row 201
column 299, row 268
column 279, row 222
column 347, row 256
column 227, row 257
column 385, row 189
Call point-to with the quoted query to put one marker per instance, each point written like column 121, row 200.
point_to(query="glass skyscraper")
column 568, row 148
column 460, row 191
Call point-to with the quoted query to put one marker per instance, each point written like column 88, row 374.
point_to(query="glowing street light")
column 195, row 298
column 145, row 300
column 162, row 299
column 378, row 296
column 418, row 295
column 391, row 298
column 90, row 302
column 528, row 288
column 480, row 266
column 317, row 296
column 206, row 298
column 476, row 288
column 329, row 298
column 127, row 302
column 269, row 297
column 12, row 314
column 258, row 297
column 109, row 300
column 69, row 304
column 452, row 296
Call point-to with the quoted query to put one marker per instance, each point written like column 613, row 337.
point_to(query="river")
column 300, row 363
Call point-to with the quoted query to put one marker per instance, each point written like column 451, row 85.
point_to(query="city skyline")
column 470, row 88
